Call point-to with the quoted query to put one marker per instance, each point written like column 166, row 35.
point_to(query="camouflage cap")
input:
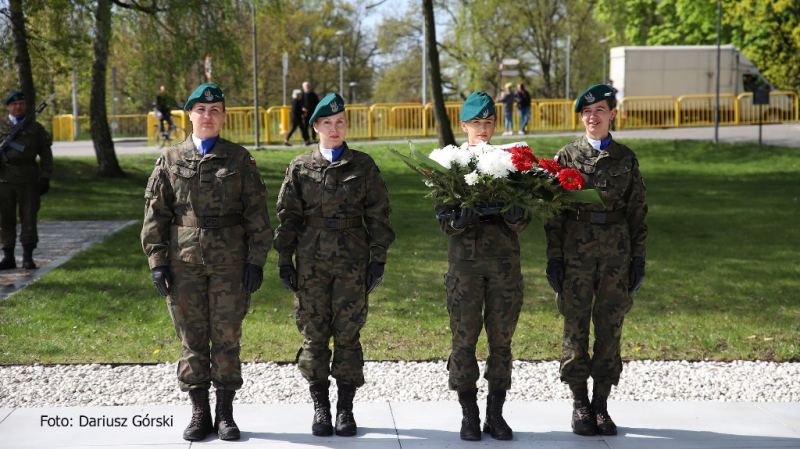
column 595, row 94
column 205, row 93
column 332, row 104
column 478, row 104
column 14, row 96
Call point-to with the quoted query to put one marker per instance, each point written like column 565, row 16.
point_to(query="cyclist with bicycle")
column 164, row 110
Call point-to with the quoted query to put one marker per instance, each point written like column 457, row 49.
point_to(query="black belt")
column 596, row 217
column 208, row 222
column 334, row 223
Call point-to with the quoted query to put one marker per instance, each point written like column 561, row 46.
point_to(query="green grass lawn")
column 723, row 270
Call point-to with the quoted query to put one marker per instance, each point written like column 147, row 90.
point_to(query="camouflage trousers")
column 604, row 279
column 208, row 304
column 26, row 196
column 331, row 302
column 482, row 293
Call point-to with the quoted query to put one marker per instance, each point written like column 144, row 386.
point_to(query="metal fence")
column 409, row 120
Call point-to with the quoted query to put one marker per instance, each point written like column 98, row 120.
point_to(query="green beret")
column 596, row 94
column 479, row 105
column 332, row 104
column 15, row 96
column 205, row 93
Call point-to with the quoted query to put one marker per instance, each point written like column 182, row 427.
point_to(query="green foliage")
column 766, row 31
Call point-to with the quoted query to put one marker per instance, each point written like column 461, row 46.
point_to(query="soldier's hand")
column 253, row 276
column 162, row 279
column 637, row 274
column 464, row 218
column 289, row 277
column 375, row 272
column 555, row 273
column 514, row 214
column 43, row 186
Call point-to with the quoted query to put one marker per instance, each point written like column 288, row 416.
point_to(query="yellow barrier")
column 782, row 107
column 409, row 120
column 648, row 112
column 698, row 110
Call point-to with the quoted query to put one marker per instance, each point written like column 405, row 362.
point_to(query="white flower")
column 429, row 183
column 450, row 155
column 495, row 162
column 471, row 178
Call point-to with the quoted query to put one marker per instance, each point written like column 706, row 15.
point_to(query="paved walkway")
column 657, row 425
column 783, row 134
column 59, row 241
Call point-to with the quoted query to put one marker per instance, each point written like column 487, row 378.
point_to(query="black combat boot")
column 8, row 262
column 27, row 256
column 223, row 418
column 322, row 426
column 605, row 425
column 582, row 417
column 471, row 421
column 495, row 424
column 200, row 425
column 345, row 422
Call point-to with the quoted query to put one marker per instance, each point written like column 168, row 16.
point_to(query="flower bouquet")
column 492, row 178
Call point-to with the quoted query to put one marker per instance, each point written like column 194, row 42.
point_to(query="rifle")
column 9, row 143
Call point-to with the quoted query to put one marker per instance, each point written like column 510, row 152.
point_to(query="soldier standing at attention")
column 22, row 182
column 206, row 234
column 484, row 288
column 596, row 253
column 334, row 218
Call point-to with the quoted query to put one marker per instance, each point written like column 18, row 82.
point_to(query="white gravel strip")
column 103, row 385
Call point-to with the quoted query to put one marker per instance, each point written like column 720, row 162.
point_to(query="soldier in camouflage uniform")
column 334, row 211
column 206, row 234
column 484, row 288
column 22, row 182
column 597, row 253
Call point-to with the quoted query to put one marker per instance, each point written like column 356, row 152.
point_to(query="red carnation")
column 523, row 158
column 571, row 179
column 550, row 165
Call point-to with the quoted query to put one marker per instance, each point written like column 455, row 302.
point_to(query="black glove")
column 253, row 276
column 289, row 277
column 514, row 214
column 162, row 279
column 464, row 218
column 637, row 274
column 374, row 275
column 43, row 186
column 555, row 273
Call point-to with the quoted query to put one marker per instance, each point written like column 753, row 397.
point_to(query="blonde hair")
column 508, row 86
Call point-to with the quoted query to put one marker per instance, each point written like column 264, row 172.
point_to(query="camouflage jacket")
column 615, row 174
column 349, row 187
column 224, row 182
column 22, row 167
column 490, row 238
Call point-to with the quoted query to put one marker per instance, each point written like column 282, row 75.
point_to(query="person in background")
column 334, row 210
column 164, row 108
column 524, row 106
column 596, row 259
column 484, row 287
column 297, row 118
column 509, row 99
column 22, row 182
column 206, row 234
column 310, row 102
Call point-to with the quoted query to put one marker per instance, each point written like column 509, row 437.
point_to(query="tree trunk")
column 444, row 131
column 108, row 166
column 21, row 56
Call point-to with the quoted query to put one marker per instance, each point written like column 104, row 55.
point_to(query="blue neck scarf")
column 207, row 144
column 604, row 143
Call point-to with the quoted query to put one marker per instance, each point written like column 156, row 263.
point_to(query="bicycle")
column 165, row 138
